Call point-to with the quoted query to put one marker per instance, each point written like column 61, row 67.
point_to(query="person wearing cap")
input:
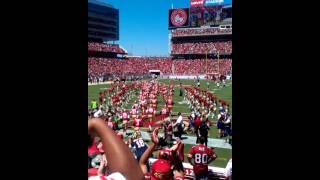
column 161, row 168
column 120, row 160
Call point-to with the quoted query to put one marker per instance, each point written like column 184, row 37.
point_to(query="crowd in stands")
column 202, row 48
column 202, row 31
column 138, row 66
column 201, row 66
column 93, row 46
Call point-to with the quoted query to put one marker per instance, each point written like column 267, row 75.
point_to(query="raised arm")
column 119, row 157
column 145, row 156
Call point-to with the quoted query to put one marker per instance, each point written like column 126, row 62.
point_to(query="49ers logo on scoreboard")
column 179, row 17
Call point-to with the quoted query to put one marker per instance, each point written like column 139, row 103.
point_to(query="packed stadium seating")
column 202, row 48
column 98, row 67
column 136, row 66
column 99, row 47
column 200, row 32
column 201, row 66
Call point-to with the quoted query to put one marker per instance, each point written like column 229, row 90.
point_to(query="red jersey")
column 197, row 122
column 133, row 111
column 137, row 122
column 200, row 153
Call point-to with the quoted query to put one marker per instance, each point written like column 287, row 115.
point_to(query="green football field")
column 224, row 93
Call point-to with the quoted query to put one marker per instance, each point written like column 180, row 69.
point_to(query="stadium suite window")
column 102, row 21
column 101, row 27
column 103, row 14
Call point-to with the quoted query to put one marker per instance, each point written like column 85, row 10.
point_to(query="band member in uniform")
column 137, row 122
column 125, row 119
column 151, row 114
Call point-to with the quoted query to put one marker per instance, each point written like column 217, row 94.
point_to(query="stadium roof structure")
column 100, row 3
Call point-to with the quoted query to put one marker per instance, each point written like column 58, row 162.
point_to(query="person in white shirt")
column 179, row 120
column 98, row 113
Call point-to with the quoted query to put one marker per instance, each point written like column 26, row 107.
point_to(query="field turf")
column 224, row 93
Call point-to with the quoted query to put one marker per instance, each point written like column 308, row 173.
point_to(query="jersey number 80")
column 201, row 158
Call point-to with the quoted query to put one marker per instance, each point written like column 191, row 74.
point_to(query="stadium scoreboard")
column 200, row 13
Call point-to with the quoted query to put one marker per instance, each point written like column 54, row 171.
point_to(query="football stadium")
column 173, row 113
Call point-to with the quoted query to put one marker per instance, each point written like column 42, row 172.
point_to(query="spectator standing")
column 199, row 157
column 204, row 131
column 178, row 126
column 94, row 104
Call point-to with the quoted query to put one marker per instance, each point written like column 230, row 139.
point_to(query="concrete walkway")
column 212, row 142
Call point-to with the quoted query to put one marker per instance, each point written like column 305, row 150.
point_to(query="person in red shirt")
column 151, row 114
column 125, row 119
column 164, row 112
column 134, row 111
column 161, row 168
column 200, row 156
column 137, row 122
column 169, row 103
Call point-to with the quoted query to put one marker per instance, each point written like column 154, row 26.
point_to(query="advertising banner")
column 213, row 2
column 196, row 3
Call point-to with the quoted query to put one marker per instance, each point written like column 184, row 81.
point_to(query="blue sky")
column 144, row 25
